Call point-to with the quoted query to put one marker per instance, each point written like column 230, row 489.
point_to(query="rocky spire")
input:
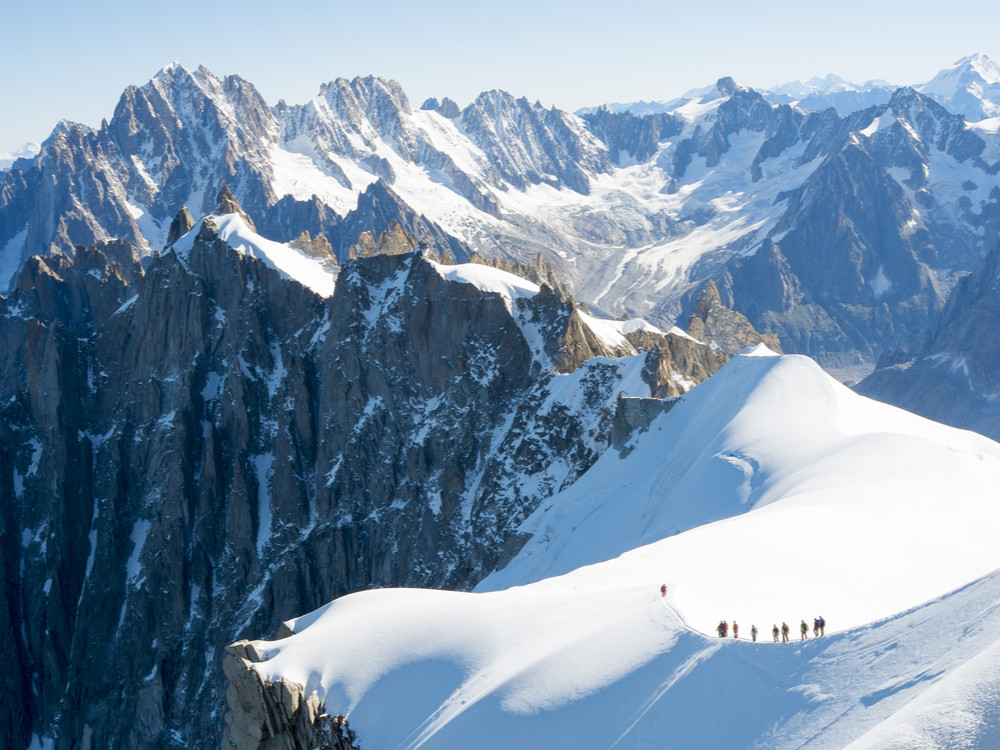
column 226, row 203
column 727, row 331
column 393, row 241
column 182, row 224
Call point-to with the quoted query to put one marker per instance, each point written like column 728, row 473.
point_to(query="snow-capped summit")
column 970, row 87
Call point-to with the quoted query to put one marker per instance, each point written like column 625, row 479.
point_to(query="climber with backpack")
column 804, row 629
column 753, row 633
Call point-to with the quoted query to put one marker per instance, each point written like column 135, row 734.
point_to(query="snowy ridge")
column 801, row 499
column 788, row 462
column 488, row 279
column 287, row 260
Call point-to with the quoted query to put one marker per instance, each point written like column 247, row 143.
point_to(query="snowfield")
column 769, row 493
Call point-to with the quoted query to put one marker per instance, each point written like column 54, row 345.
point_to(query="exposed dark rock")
column 393, row 241
column 625, row 133
column 181, row 225
column 531, row 145
column 226, row 203
column 446, row 107
column 954, row 377
column 633, row 415
column 449, row 109
column 378, row 208
column 318, row 247
column 728, row 331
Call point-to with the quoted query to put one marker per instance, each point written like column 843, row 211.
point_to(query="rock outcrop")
column 278, row 715
column 728, row 331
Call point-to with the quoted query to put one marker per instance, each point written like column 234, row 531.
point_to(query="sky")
column 72, row 60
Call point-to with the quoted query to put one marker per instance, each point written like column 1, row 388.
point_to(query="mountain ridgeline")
column 842, row 233
column 197, row 447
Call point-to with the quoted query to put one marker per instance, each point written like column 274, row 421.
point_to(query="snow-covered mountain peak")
column 829, row 84
column 977, row 67
column 818, row 94
column 984, row 66
column 169, row 69
column 970, row 87
column 764, row 437
column 176, row 77
column 760, row 350
column 231, row 225
column 370, row 94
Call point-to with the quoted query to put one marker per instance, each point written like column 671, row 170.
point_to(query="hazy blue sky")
column 72, row 60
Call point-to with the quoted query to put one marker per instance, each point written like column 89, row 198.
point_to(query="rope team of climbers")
column 819, row 627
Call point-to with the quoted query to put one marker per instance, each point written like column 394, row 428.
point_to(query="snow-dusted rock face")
column 237, row 432
column 954, row 377
column 530, row 145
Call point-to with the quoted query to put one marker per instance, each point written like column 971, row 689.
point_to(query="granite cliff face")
column 197, row 447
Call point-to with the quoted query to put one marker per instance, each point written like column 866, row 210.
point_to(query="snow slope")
column 800, row 499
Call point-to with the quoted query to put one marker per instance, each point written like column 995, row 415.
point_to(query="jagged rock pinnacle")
column 727, row 331
column 707, row 298
column 182, row 224
column 226, row 203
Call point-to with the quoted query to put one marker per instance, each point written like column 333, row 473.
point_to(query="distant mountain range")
column 842, row 234
column 7, row 158
column 970, row 87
